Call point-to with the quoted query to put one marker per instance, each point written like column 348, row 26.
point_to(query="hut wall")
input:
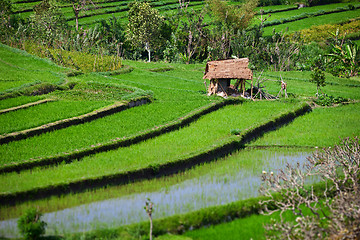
column 225, row 83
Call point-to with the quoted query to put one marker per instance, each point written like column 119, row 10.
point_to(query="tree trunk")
column 147, row 48
column 151, row 228
column 76, row 13
column 188, row 50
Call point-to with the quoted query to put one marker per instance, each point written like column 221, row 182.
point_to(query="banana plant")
column 347, row 56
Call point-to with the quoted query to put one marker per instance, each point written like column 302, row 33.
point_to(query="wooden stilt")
column 251, row 95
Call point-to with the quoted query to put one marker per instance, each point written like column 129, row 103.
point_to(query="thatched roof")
column 228, row 69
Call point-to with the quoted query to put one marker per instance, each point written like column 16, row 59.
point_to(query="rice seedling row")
column 63, row 123
column 199, row 137
column 121, row 13
column 114, row 143
column 18, row 101
column 313, row 21
column 45, row 113
column 233, row 178
column 21, row 69
column 167, row 107
column 24, row 106
column 322, row 128
column 241, row 167
column 307, row 10
column 249, row 227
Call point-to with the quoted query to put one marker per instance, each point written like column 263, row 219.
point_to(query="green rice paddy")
column 217, row 183
column 165, row 148
column 18, row 101
column 313, row 21
column 45, row 113
column 324, row 127
column 175, row 93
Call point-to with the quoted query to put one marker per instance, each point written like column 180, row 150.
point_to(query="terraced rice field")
column 105, row 10
column 177, row 96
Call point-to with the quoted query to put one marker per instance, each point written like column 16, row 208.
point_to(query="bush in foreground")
column 30, row 225
column 331, row 214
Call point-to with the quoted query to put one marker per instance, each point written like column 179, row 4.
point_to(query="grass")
column 18, row 101
column 244, row 228
column 166, row 148
column 174, row 97
column 45, row 113
column 247, row 228
column 298, row 83
column 323, row 127
column 19, row 68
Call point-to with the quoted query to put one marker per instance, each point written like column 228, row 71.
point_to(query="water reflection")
column 233, row 178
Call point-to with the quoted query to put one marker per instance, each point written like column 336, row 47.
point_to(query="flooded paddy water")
column 226, row 180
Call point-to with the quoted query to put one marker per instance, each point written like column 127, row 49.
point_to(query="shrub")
column 30, row 225
column 328, row 100
column 82, row 61
column 318, row 77
column 329, row 214
column 235, row 131
column 324, row 32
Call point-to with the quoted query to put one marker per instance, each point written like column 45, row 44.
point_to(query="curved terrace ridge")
column 211, row 153
column 26, row 105
column 117, row 107
column 118, row 142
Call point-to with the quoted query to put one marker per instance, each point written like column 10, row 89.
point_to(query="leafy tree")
column 343, row 61
column 318, row 77
column 113, row 34
column 228, row 21
column 346, row 58
column 191, row 33
column 30, row 225
column 47, row 22
column 9, row 22
column 5, row 13
column 234, row 19
column 144, row 28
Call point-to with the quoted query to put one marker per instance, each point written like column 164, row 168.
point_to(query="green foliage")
column 5, row 14
column 318, row 77
column 30, row 225
column 344, row 59
column 47, row 23
column 227, row 21
column 234, row 19
column 277, row 53
column 235, row 131
column 77, row 60
column 322, row 32
column 144, row 26
column 328, row 100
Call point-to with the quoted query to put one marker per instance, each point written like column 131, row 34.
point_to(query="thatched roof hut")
column 221, row 72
